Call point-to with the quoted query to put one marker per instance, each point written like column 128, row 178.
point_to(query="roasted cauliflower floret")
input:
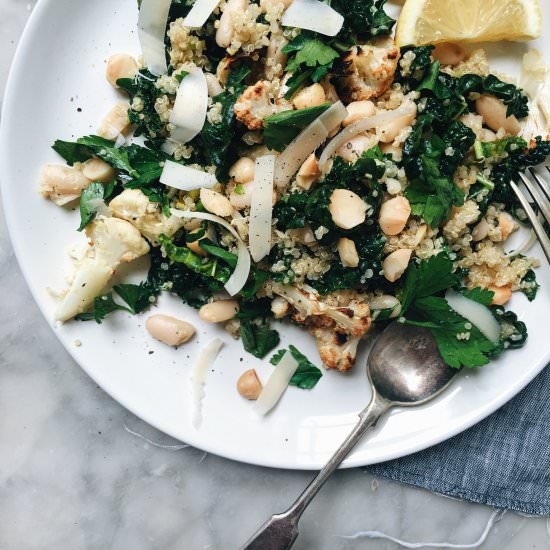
column 256, row 103
column 337, row 350
column 368, row 70
column 111, row 242
column 133, row 206
column 336, row 328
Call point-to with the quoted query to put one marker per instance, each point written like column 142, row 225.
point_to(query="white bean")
column 225, row 31
column 356, row 146
column 249, row 385
column 309, row 172
column 62, row 184
column 502, row 294
column 493, row 112
column 195, row 247
column 220, row 311
column 348, row 252
column 243, row 170
column 348, row 210
column 311, row 96
column 243, row 199
column 389, row 131
column 116, row 122
column 120, row 65
column 358, row 110
column 394, row 215
column 481, row 230
column 395, row 151
column 449, row 53
column 279, row 307
column 98, row 170
column 506, row 225
column 169, row 330
column 213, row 85
column 216, row 203
column 396, row 264
column 385, row 301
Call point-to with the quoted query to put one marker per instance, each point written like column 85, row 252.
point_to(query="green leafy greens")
column 307, row 374
column 258, row 339
column 364, row 18
column 280, row 129
column 310, row 60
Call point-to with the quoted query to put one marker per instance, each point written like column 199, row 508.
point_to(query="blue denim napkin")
column 503, row 461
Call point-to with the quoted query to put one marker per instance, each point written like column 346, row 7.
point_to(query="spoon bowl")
column 405, row 366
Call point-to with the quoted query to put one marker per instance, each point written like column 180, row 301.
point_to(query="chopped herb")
column 90, row 199
column 460, row 343
column 103, row 305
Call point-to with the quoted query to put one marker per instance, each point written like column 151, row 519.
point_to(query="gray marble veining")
column 74, row 477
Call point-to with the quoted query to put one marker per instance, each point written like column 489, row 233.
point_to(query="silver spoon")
column 404, row 369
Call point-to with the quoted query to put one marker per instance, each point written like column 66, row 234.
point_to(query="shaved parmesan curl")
column 207, row 356
column 408, row 108
column 306, row 142
column 240, row 275
column 261, row 209
column 200, row 12
column 184, row 178
column 153, row 18
column 313, row 15
column 479, row 315
column 277, row 384
column 189, row 112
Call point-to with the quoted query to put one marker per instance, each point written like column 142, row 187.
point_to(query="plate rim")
column 354, row 459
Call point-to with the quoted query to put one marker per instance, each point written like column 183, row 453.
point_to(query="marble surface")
column 78, row 472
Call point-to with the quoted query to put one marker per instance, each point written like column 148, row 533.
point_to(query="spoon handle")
column 281, row 530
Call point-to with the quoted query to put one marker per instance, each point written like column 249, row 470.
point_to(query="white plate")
column 57, row 90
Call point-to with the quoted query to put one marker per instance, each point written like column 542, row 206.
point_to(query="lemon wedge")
column 433, row 21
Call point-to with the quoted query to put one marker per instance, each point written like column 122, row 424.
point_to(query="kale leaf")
column 514, row 334
column 146, row 120
column 515, row 160
column 207, row 267
column 531, row 287
column 364, row 18
column 430, row 156
column 217, row 142
column 512, row 96
column 370, row 248
column 281, row 128
column 193, row 288
column 307, row 374
column 360, row 177
column 258, row 339
column 290, row 211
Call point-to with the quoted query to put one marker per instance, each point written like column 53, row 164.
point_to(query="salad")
column 289, row 161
